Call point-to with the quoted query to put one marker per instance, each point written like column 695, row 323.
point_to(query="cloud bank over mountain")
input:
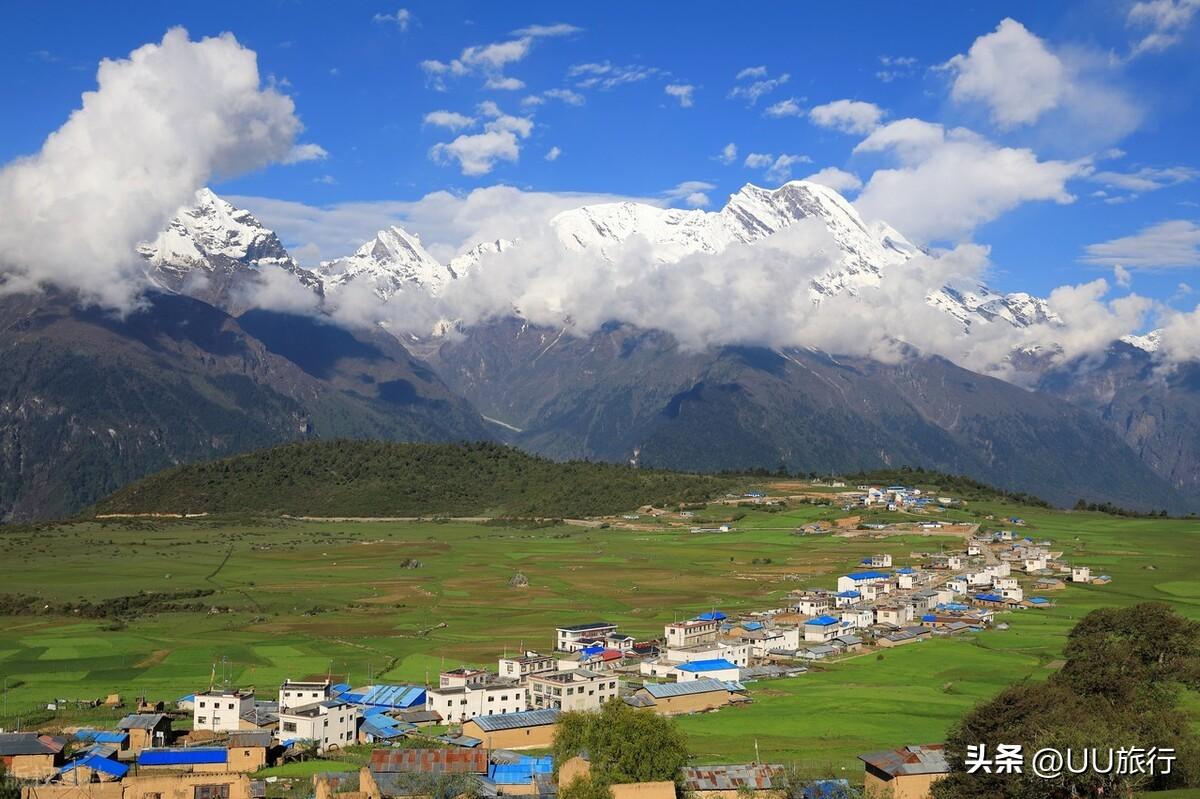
column 160, row 125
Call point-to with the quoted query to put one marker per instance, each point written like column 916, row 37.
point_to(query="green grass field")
column 299, row 599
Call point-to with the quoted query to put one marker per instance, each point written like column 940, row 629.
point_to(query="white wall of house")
column 332, row 725
column 459, row 704
column 221, row 711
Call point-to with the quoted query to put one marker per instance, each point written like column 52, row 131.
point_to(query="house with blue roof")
column 192, row 758
column 716, row 669
column 843, row 598
column 511, row 775
column 856, row 580
column 822, row 629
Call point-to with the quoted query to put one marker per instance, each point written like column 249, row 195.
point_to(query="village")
column 497, row 725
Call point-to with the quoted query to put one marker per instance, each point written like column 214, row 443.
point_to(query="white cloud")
column 896, row 67
column 1171, row 244
column 961, row 179
column 1146, row 178
column 532, row 101
column 848, row 116
column 837, row 179
column 1122, row 276
column 752, row 72
column 605, row 75
column 693, row 193
column 565, row 95
column 1013, row 72
column 490, row 59
column 452, row 120
column 681, row 92
column 402, row 18
column 556, row 29
column 778, row 169
column 1021, row 81
column 305, row 152
column 448, row 223
column 477, row 153
column 328, row 180
column 553, row 153
column 728, row 154
column 784, row 108
column 504, row 83
column 135, row 152
column 1164, row 22
column 753, row 90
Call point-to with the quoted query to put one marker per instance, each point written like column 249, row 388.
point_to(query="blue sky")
column 1118, row 82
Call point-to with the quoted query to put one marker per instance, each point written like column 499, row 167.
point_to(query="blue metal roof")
column 906, row 570
column 715, row 664
column 989, row 597
column 712, row 615
column 823, row 621
column 752, row 625
column 397, row 696
column 193, row 756
column 522, row 772
column 102, row 736
column 101, row 764
column 868, row 575
column 929, row 617
column 380, row 726
column 849, row 594
column 1039, row 600
column 339, row 688
column 589, row 651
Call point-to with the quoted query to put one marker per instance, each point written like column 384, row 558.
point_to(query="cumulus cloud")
column 505, row 83
column 452, row 120
column 963, row 180
column 1163, row 22
column 681, row 92
column 553, row 153
column 753, row 84
column 1021, row 80
column 848, row 116
column 305, row 152
column 837, row 179
column 477, row 153
column 728, row 154
column 693, row 193
column 784, row 108
column 1167, row 245
column 137, row 150
column 565, row 95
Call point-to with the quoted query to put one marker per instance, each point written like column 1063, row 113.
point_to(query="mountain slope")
column 629, row 395
column 360, row 478
column 89, row 401
column 1155, row 410
column 392, row 261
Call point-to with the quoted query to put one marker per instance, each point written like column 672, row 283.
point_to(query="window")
column 289, row 726
column 202, row 720
column 211, row 792
column 201, row 704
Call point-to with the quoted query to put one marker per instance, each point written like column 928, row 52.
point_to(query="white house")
column 221, row 711
column 1035, row 564
column 691, row 632
column 856, row 580
column 882, row 561
column 1013, row 592
column 707, row 669
column 333, row 724
column 1081, row 574
column 577, row 636
column 1001, row 583
column 813, row 604
column 466, row 693
column 957, row 584
column 577, row 689
column 298, row 693
column 860, row 617
column 521, row 667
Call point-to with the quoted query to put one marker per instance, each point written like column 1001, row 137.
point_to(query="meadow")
column 398, row 601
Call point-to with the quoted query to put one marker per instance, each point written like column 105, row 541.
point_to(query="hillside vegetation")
column 369, row 478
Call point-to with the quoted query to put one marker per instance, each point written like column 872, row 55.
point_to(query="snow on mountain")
column 754, row 213
column 1150, row 342
column 462, row 264
column 211, row 248
column 392, row 261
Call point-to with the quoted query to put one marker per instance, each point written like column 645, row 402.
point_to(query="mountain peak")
column 392, row 261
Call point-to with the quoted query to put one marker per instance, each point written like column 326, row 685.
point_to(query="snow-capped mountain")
column 754, row 213
column 392, row 261
column 211, row 250
column 462, row 264
column 1150, row 342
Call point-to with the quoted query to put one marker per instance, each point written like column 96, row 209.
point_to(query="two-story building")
column 577, row 689
column 521, row 667
column 295, row 693
column 220, row 710
column 332, row 724
column 577, row 636
column 466, row 693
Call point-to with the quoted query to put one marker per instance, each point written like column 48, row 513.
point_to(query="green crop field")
column 398, row 601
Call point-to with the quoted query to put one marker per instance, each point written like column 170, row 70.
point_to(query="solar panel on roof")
column 510, row 721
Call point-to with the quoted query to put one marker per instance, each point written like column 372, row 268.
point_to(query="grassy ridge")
column 369, row 478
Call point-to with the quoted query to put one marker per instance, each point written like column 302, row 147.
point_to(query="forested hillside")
column 368, row 478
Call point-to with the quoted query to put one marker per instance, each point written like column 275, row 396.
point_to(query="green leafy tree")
column 622, row 745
